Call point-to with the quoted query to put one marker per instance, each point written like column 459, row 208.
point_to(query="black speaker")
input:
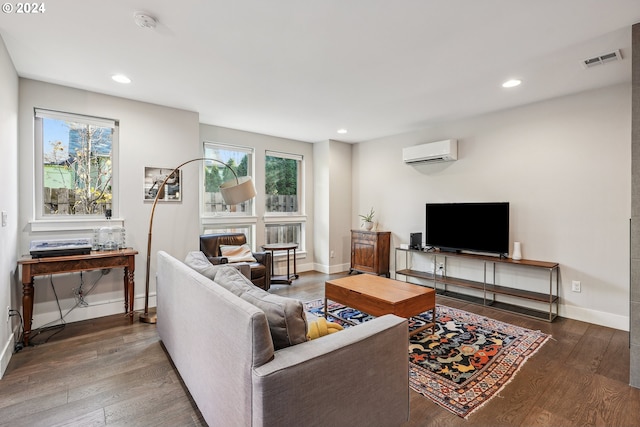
column 415, row 241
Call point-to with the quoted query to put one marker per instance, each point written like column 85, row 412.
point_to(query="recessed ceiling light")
column 342, row 131
column 511, row 83
column 121, row 78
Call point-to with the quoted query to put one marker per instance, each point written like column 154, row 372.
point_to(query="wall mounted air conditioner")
column 439, row 151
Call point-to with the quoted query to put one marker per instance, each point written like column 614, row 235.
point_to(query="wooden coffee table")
column 378, row 295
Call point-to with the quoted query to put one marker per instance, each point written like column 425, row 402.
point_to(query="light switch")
column 4, row 218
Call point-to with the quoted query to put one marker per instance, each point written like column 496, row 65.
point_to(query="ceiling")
column 304, row 69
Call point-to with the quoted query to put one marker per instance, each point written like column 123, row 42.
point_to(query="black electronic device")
column 415, row 241
column 476, row 227
column 59, row 247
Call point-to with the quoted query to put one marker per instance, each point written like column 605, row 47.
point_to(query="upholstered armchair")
column 212, row 245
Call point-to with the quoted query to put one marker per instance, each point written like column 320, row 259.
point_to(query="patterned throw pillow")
column 240, row 253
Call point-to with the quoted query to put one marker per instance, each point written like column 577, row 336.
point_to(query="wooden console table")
column 98, row 260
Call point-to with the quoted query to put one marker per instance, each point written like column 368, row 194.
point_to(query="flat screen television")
column 476, row 227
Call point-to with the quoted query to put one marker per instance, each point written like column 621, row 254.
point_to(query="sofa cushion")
column 287, row 321
column 240, row 253
column 198, row 261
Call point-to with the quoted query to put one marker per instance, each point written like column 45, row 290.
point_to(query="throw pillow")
column 240, row 253
column 286, row 318
column 321, row 327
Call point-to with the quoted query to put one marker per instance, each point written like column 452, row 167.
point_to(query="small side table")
column 272, row 247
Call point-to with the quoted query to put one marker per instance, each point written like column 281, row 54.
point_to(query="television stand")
column 492, row 292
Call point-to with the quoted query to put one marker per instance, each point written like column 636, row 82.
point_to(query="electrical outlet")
column 8, row 313
column 440, row 266
column 575, row 286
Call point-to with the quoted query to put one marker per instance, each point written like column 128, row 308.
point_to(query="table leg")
column 295, row 273
column 27, row 310
column 272, row 263
column 126, row 290
column 129, row 287
column 288, row 271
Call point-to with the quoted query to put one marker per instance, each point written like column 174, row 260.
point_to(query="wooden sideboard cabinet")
column 370, row 252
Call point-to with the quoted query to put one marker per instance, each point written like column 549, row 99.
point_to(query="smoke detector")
column 602, row 59
column 144, row 20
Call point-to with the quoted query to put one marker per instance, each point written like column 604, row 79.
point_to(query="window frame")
column 47, row 222
column 229, row 218
column 299, row 217
column 221, row 220
column 300, row 214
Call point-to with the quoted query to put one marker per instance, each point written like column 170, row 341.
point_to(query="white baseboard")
column 331, row 269
column 610, row 320
column 5, row 356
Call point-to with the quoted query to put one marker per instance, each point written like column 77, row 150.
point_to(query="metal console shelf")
column 489, row 290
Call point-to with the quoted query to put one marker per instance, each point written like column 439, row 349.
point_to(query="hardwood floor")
column 107, row 372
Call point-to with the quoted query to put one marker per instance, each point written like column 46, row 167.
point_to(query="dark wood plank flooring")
column 107, row 372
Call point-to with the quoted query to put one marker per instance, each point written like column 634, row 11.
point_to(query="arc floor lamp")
column 234, row 191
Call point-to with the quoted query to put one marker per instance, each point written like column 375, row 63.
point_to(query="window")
column 284, row 210
column 282, row 180
column 238, row 158
column 283, row 233
column 74, row 165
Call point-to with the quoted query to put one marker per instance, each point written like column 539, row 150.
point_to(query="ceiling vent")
column 602, row 59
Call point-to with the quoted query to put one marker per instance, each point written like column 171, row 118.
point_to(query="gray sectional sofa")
column 223, row 339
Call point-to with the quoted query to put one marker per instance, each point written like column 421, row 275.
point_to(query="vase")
column 368, row 225
column 517, row 251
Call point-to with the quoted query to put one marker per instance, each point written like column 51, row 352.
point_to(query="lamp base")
column 150, row 317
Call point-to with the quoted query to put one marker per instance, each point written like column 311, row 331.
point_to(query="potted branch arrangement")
column 367, row 220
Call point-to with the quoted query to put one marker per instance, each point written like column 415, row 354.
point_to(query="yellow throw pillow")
column 240, row 253
column 321, row 327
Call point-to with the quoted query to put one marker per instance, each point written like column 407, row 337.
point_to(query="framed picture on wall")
column 153, row 178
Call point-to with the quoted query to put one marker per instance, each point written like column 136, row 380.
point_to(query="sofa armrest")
column 262, row 257
column 359, row 376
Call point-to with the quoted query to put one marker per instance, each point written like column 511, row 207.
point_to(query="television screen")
column 477, row 227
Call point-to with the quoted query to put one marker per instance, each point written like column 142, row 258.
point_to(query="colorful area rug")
column 465, row 362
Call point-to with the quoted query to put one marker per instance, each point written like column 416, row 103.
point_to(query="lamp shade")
column 238, row 191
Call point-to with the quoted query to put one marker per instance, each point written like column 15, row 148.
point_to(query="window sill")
column 86, row 224
column 286, row 218
column 228, row 220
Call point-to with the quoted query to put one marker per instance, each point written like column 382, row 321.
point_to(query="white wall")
column 9, row 282
column 321, row 196
column 332, row 181
column 564, row 166
column 340, row 203
column 262, row 143
column 150, row 135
